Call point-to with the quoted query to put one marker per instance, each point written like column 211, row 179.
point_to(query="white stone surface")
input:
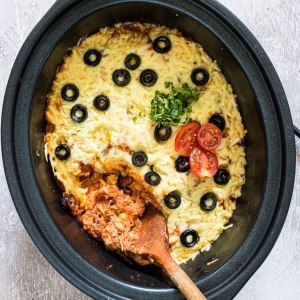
column 25, row 273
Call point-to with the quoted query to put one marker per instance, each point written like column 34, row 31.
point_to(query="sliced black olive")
column 68, row 201
column 64, row 201
column 208, row 201
column 200, row 76
column 70, row 92
column 172, row 200
column 139, row 159
column 182, row 164
column 162, row 133
column 148, row 77
column 152, row 178
column 62, row 152
column 121, row 77
column 189, row 238
column 217, row 120
column 79, row 113
column 132, row 61
column 101, row 103
column 222, row 176
column 92, row 57
column 162, row 44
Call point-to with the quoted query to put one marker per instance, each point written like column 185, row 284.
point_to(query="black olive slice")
column 200, row 76
column 217, row 120
column 64, row 201
column 102, row 103
column 139, row 159
column 152, row 178
column 79, row 113
column 92, row 57
column 208, row 201
column 162, row 133
column 68, row 201
column 182, row 164
column 162, row 44
column 189, row 238
column 148, row 77
column 132, row 61
column 222, row 176
column 69, row 92
column 121, row 77
column 172, row 200
column 62, row 152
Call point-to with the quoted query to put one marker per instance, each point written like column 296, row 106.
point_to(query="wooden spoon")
column 152, row 243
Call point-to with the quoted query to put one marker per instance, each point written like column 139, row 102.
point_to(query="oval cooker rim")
column 18, row 185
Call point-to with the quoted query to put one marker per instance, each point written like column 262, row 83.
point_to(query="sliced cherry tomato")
column 209, row 136
column 203, row 163
column 186, row 138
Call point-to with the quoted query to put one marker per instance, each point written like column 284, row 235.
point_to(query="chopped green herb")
column 172, row 109
column 137, row 116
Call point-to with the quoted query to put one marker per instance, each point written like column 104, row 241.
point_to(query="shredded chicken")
column 112, row 212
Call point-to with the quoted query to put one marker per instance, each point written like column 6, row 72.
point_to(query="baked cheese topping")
column 106, row 140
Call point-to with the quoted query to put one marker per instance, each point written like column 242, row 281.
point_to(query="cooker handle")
column 297, row 131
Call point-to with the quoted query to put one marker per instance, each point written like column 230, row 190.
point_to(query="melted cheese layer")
column 90, row 139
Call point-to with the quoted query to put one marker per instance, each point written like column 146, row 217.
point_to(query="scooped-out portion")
column 137, row 114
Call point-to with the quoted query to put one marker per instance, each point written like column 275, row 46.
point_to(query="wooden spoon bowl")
column 152, row 244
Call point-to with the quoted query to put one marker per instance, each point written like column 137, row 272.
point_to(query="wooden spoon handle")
column 182, row 281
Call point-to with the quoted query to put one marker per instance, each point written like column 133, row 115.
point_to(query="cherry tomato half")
column 186, row 138
column 209, row 136
column 203, row 163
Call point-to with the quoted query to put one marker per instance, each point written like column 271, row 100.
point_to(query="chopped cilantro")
column 172, row 109
column 137, row 116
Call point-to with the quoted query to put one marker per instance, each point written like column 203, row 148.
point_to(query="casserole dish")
column 263, row 107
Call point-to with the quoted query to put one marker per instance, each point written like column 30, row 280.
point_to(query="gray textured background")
column 25, row 273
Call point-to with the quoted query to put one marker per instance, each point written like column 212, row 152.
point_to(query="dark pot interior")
column 266, row 194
